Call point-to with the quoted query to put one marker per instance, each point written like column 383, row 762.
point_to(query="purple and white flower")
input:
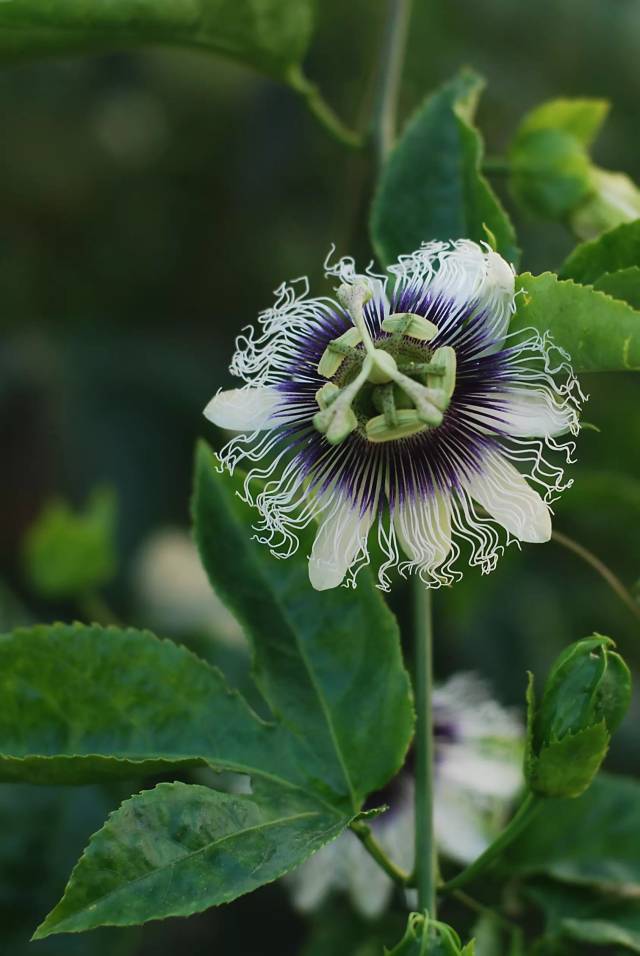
column 405, row 404
column 478, row 774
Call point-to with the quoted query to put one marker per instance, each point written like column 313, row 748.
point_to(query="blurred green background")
column 149, row 204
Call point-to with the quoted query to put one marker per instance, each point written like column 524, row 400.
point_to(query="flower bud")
column 585, row 699
column 429, row 937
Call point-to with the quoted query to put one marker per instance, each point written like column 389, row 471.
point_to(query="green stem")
column 526, row 812
column 496, row 165
column 383, row 127
column 321, row 110
column 425, row 851
column 476, row 907
column 606, row 573
column 366, row 837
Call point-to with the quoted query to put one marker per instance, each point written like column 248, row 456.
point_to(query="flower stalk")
column 528, row 809
column 425, row 874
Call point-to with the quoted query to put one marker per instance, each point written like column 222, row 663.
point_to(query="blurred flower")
column 478, row 773
column 403, row 404
column 173, row 592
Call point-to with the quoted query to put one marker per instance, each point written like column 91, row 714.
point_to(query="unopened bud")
column 585, row 699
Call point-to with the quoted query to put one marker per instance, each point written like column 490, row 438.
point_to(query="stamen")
column 408, row 323
column 337, row 350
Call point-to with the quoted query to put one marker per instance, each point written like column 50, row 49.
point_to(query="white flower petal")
column 246, row 409
column 423, row 527
column 503, row 492
column 470, row 273
column 525, row 413
column 342, row 535
column 464, row 825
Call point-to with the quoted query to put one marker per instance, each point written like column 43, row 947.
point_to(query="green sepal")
column 587, row 684
column 566, row 767
column 551, row 172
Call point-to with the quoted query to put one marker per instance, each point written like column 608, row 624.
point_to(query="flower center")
column 389, row 389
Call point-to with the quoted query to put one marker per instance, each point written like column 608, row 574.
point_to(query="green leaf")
column 179, row 849
column 83, row 703
column 328, row 663
column 600, row 334
column 67, row 553
column 623, row 284
column 587, row 917
column 432, row 187
column 592, row 841
column 614, row 250
column 271, row 35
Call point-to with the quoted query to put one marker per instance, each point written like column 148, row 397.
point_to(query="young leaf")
column 81, row 703
column 600, row 334
column 179, row 849
column 270, row 35
column 432, row 186
column 328, row 663
column 67, row 553
column 614, row 250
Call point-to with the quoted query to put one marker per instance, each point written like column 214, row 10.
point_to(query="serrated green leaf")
column 271, row 35
column 328, row 663
column 432, row 186
column 179, row 849
column 592, row 841
column 80, row 704
column 70, row 552
column 567, row 767
column 623, row 284
column 614, row 250
column 600, row 333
